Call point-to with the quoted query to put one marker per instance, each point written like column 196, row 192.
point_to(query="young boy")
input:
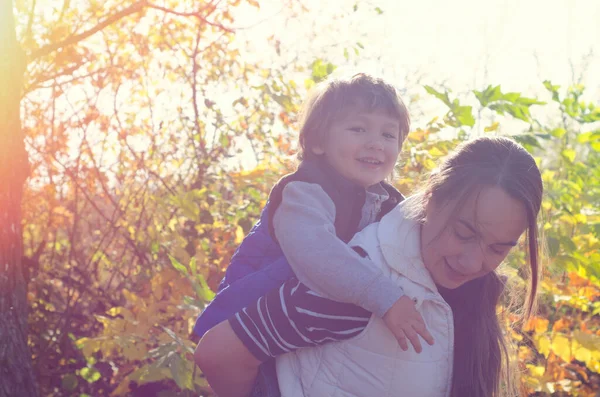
column 351, row 134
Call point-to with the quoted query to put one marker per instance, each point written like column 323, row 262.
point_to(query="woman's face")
column 459, row 245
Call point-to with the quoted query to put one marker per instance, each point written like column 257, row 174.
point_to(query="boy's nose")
column 375, row 144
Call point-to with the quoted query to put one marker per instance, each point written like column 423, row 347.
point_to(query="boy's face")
column 362, row 146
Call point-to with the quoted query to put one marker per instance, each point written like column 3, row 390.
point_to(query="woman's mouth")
column 455, row 275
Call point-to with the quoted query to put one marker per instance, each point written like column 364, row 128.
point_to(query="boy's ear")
column 318, row 150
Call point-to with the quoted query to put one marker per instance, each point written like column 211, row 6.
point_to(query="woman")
column 442, row 246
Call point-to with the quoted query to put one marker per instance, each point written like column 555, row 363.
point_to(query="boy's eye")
column 389, row 135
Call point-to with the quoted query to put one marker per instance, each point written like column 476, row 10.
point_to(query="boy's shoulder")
column 394, row 193
column 319, row 172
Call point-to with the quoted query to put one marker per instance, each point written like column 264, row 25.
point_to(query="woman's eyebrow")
column 474, row 231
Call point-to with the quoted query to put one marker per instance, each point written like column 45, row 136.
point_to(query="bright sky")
column 466, row 43
column 463, row 44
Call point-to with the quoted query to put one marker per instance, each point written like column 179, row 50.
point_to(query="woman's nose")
column 471, row 260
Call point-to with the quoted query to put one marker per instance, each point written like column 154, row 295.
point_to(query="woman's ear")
column 430, row 207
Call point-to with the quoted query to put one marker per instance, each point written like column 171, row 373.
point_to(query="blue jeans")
column 266, row 382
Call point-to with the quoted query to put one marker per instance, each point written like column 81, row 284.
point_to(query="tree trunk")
column 16, row 373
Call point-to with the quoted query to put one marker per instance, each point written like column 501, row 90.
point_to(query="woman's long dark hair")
column 481, row 358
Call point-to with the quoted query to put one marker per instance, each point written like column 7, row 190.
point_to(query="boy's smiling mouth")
column 370, row 160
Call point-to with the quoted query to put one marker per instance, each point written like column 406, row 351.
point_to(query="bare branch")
column 197, row 14
column 30, row 22
column 136, row 7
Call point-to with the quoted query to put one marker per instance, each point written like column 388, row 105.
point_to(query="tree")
column 15, row 359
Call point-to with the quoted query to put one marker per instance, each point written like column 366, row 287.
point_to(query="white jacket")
column 373, row 364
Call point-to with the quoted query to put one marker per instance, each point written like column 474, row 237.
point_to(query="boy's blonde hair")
column 333, row 98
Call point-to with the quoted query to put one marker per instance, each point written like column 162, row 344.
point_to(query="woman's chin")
column 448, row 283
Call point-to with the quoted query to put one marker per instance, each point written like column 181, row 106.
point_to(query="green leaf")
column 181, row 374
column 584, row 137
column 569, row 155
column 558, row 132
column 224, row 140
column 69, row 382
column 490, row 94
column 553, row 89
column 91, row 375
column 193, row 266
column 204, row 292
column 553, row 246
column 320, row 70
column 465, row 116
column 309, row 83
column 527, row 140
column 441, row 96
column 511, row 96
column 178, row 266
column 378, row 10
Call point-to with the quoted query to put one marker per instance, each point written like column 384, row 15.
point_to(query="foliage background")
column 155, row 131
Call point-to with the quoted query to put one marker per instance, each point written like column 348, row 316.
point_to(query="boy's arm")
column 304, row 228
column 286, row 319
column 241, row 293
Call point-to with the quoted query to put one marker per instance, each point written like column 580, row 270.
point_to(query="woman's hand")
column 228, row 366
column 406, row 322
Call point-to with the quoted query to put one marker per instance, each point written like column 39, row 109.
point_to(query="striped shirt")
column 292, row 317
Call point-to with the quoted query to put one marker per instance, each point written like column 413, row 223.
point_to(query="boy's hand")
column 405, row 321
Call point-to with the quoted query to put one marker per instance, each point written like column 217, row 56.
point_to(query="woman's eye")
column 464, row 237
column 497, row 251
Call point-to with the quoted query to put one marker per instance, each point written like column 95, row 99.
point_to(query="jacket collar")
column 400, row 242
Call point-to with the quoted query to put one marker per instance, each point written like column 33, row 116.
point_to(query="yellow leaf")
column 561, row 346
column 492, row 127
column 88, row 346
column 157, row 286
column 542, row 344
column 239, row 235
column 537, row 371
column 581, row 353
column 131, row 297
